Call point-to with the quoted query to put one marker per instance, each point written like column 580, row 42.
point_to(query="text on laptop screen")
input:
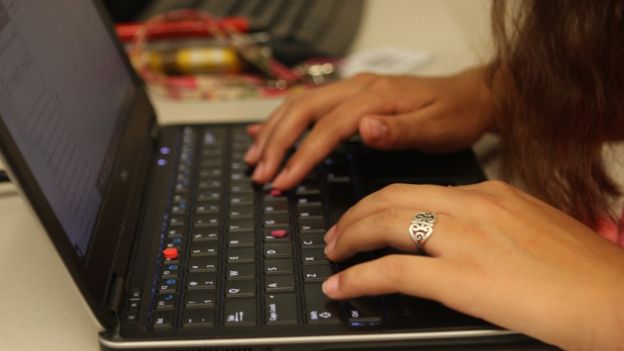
column 62, row 91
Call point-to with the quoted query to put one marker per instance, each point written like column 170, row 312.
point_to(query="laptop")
column 170, row 243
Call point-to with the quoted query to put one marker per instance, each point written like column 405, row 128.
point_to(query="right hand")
column 390, row 112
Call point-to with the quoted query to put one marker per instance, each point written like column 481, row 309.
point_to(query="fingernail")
column 281, row 177
column 330, row 286
column 330, row 233
column 330, row 246
column 258, row 171
column 374, row 128
column 251, row 154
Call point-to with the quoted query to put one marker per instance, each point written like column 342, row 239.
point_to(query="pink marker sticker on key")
column 279, row 233
column 276, row 192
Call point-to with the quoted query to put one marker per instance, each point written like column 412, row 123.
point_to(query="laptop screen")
column 62, row 92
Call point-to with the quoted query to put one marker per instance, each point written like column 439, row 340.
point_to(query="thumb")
column 394, row 132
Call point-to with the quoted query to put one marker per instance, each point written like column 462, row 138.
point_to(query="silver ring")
column 421, row 228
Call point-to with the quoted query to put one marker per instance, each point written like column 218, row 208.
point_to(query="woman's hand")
column 430, row 114
column 495, row 253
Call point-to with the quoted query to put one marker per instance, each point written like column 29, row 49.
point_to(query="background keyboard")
column 299, row 29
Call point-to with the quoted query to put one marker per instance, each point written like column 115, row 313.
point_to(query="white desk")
column 40, row 309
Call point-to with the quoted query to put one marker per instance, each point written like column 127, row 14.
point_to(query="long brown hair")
column 562, row 67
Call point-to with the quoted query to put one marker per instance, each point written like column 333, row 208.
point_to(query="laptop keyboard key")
column 278, row 266
column 199, row 299
column 241, row 271
column 240, row 312
column 162, row 320
column 165, row 301
column 319, row 308
column 364, row 311
column 316, row 273
column 203, row 264
column 281, row 309
column 279, row 283
column 198, row 318
column 240, row 288
column 201, row 281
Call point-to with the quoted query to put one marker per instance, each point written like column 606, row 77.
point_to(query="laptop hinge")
column 115, row 294
column 154, row 130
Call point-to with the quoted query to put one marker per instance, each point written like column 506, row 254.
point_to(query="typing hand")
column 495, row 253
column 390, row 112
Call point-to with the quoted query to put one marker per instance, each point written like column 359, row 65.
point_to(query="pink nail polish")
column 281, row 177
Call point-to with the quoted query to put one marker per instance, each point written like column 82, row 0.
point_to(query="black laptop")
column 170, row 243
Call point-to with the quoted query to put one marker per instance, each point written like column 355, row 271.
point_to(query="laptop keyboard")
column 235, row 254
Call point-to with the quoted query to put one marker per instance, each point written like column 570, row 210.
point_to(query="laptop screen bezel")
column 114, row 231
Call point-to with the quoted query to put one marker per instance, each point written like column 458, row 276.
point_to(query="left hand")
column 496, row 253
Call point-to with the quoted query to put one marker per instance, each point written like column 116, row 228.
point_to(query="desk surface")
column 40, row 308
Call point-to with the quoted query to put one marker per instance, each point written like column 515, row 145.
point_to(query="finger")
column 328, row 132
column 411, row 275
column 391, row 228
column 433, row 198
column 297, row 116
column 252, row 155
column 414, row 130
column 254, row 129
